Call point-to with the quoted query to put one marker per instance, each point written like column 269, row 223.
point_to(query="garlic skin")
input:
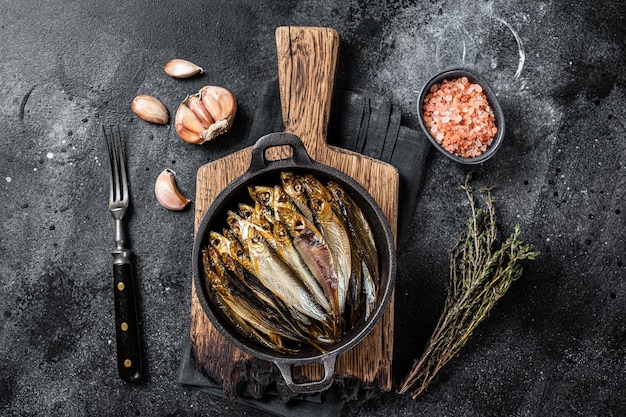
column 180, row 68
column 205, row 115
column 150, row 109
column 167, row 193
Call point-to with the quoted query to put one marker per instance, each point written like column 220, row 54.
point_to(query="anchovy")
column 242, row 302
column 222, row 305
column 279, row 278
column 315, row 253
column 357, row 225
column 289, row 254
column 227, row 247
column 336, row 236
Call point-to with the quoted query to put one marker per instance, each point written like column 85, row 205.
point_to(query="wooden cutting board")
column 307, row 64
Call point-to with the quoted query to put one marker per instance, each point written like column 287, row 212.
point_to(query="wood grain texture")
column 307, row 62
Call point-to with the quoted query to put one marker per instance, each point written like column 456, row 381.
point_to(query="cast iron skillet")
column 262, row 171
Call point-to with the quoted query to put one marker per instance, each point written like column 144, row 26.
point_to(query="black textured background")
column 554, row 346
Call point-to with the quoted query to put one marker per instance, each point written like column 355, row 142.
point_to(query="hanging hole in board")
column 276, row 153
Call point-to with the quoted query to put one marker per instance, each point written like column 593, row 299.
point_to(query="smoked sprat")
column 296, row 266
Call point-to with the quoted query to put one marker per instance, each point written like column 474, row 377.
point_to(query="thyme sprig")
column 480, row 274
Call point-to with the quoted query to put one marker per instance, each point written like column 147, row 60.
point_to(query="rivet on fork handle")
column 129, row 355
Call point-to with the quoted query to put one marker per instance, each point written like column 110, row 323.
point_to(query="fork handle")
column 129, row 357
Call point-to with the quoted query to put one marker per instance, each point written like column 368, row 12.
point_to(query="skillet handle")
column 313, row 386
column 259, row 161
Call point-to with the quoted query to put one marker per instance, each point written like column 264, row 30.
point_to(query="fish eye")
column 240, row 253
column 299, row 225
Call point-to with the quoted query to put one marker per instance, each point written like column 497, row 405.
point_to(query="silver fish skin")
column 315, row 253
column 279, row 278
column 336, row 235
column 357, row 225
column 289, row 254
column 370, row 291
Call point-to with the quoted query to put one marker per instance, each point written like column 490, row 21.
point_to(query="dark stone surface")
column 555, row 345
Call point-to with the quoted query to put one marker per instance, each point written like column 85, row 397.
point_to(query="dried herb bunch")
column 480, row 274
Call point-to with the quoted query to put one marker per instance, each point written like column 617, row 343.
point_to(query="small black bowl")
column 493, row 103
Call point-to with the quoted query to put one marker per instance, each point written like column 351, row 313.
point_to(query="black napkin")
column 363, row 122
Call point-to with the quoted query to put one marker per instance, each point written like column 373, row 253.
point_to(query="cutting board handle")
column 307, row 64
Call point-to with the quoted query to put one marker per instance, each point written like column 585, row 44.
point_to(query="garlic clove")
column 187, row 118
column 189, row 136
column 180, row 68
column 167, row 192
column 150, row 109
column 195, row 105
column 219, row 101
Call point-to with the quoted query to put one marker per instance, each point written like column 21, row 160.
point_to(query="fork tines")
column 118, row 180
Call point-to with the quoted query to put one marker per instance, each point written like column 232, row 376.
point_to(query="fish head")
column 264, row 194
column 295, row 222
column 280, row 196
column 335, row 190
column 261, row 215
column 281, row 234
column 313, row 185
column 214, row 257
column 235, row 247
column 246, row 211
column 256, row 242
column 292, row 184
column 219, row 242
column 237, row 225
column 286, row 178
column 320, row 206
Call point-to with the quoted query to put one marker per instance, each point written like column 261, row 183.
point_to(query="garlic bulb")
column 150, row 109
column 180, row 68
column 205, row 115
column 167, row 193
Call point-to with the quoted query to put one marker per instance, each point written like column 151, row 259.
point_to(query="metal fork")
column 129, row 355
